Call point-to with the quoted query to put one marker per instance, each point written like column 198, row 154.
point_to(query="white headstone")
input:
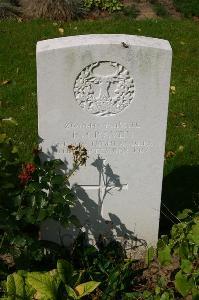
column 110, row 93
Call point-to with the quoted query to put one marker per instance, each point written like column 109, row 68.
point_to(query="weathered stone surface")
column 109, row 93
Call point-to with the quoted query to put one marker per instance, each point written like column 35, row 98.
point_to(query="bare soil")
column 146, row 10
column 171, row 8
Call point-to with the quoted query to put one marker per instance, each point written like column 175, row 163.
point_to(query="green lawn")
column 17, row 64
column 18, row 97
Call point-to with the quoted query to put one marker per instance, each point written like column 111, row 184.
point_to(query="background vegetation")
column 187, row 7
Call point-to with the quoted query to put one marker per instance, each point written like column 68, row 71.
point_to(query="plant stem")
column 2, row 240
column 75, row 168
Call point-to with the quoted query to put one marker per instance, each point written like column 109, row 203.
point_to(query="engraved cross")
column 103, row 189
column 107, row 181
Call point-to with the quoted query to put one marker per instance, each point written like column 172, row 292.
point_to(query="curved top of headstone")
column 94, row 39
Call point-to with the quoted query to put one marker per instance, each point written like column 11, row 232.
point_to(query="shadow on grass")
column 180, row 190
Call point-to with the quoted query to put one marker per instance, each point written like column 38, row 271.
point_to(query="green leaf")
column 113, row 277
column 30, row 188
column 58, row 179
column 186, row 266
column 55, row 163
column 3, row 137
column 195, row 295
column 162, row 282
column 65, row 271
column 76, row 279
column 193, row 236
column 20, row 286
column 182, row 284
column 146, row 294
column 149, row 255
column 157, row 290
column 133, row 296
column 184, row 214
column 14, row 149
column 58, row 197
column 195, row 250
column 184, row 250
column 46, row 284
column 162, row 242
column 70, row 197
column 86, row 288
column 165, row 296
column 178, row 230
column 15, row 287
column 71, row 293
column 19, row 241
column 42, row 215
column 17, row 200
column 29, row 215
column 164, row 255
column 11, row 288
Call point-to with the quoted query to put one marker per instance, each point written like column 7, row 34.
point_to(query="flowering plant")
column 31, row 193
column 26, row 174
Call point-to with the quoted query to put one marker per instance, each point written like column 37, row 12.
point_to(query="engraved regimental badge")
column 104, row 88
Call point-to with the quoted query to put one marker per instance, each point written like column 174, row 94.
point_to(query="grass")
column 18, row 95
column 187, row 7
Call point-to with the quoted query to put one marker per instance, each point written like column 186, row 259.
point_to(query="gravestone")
column 109, row 93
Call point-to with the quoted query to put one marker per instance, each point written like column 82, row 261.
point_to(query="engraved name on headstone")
column 114, row 100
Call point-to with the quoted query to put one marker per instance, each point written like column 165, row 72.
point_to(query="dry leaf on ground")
column 173, row 89
column 183, row 124
column 181, row 148
column 169, row 154
column 61, row 30
column 4, row 82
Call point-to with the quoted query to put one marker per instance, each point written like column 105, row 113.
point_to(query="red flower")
column 30, row 168
column 24, row 177
column 26, row 173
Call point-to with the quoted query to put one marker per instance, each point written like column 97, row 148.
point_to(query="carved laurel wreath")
column 105, row 94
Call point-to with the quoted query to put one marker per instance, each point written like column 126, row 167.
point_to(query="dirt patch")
column 146, row 10
column 171, row 9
